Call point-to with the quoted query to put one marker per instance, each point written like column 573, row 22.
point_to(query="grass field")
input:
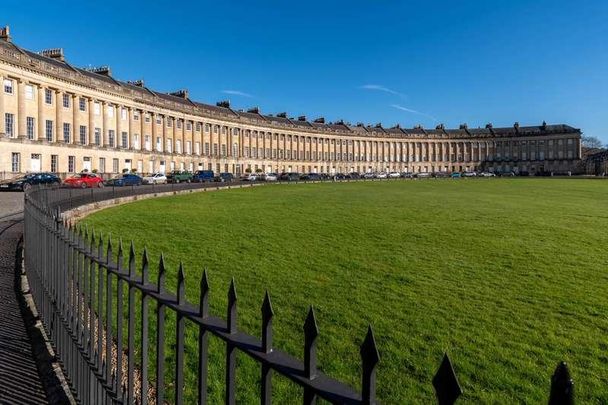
column 509, row 276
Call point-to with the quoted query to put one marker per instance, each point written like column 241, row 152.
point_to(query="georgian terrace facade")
column 59, row 118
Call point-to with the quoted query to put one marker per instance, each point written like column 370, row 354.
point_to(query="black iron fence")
column 78, row 283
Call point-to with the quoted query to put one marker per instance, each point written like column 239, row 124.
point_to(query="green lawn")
column 509, row 276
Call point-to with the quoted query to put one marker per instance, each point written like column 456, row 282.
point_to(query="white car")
column 394, row 175
column 156, row 178
column 381, row 175
column 368, row 176
column 486, row 174
column 469, row 174
column 270, row 177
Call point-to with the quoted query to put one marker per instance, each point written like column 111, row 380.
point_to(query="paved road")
column 19, row 380
column 10, row 202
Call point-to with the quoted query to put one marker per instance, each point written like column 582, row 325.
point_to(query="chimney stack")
column 55, row 53
column 183, row 93
column 5, row 33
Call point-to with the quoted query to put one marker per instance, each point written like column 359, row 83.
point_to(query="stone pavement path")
column 19, row 380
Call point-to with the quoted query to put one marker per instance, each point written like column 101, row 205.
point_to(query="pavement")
column 19, row 379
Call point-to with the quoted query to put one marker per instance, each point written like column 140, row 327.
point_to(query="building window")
column 66, row 101
column 178, row 146
column 215, row 149
column 48, row 96
column 206, row 148
column 111, row 136
column 83, row 135
column 198, row 127
column 30, row 122
column 158, row 144
column 197, row 148
column 9, row 124
column 207, row 128
column 223, row 150
column 136, row 117
column 179, row 124
column 102, row 165
column 97, row 108
column 158, row 120
column 97, row 136
column 66, row 132
column 71, row 164
column 110, row 111
column 115, row 165
column 54, row 161
column 147, row 142
column 169, row 122
column 189, row 126
column 82, row 104
column 49, row 130
column 147, row 118
column 188, row 147
column 8, row 86
column 169, row 146
column 16, row 162
column 235, row 149
column 123, row 113
column 125, row 140
column 29, row 92
column 136, row 141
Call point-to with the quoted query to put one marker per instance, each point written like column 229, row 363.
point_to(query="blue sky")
column 407, row 62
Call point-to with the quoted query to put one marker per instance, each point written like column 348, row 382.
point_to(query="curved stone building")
column 60, row 118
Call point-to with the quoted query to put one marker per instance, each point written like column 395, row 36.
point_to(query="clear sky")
column 407, row 62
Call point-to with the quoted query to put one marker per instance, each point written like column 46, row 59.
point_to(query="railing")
column 75, row 279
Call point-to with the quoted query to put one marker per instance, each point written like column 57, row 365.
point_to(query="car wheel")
column 100, row 184
column 26, row 186
column 188, row 181
column 177, row 181
column 83, row 185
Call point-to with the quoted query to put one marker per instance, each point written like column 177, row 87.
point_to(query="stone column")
column 58, row 120
column 105, row 141
column 2, row 129
column 91, row 108
column 21, row 110
column 142, row 125
column 118, row 115
column 41, row 134
column 76, row 120
column 154, row 134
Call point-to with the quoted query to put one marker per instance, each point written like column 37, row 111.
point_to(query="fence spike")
column 267, row 314
column 311, row 331
column 132, row 259
column 204, row 299
column 144, row 266
column 445, row 383
column 232, row 298
column 109, row 250
column 161, row 274
column 120, row 258
column 562, row 386
column 181, row 285
column 369, row 359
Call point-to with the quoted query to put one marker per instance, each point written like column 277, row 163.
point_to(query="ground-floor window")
column 115, row 167
column 71, row 164
column 16, row 162
column 35, row 162
column 54, row 161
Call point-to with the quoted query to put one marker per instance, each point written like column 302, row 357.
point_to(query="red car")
column 84, row 180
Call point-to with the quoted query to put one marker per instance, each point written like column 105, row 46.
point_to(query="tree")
column 591, row 142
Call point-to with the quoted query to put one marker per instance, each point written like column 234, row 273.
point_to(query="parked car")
column 353, row 176
column 394, row 175
column 126, row 179
column 180, row 176
column 224, row 178
column 203, row 176
column 22, row 183
column 469, row 174
column 368, row 175
column 84, row 180
column 292, row 176
column 407, row 175
column 270, row 177
column 507, row 174
column 310, row 177
column 251, row 177
column 155, row 178
column 424, row 175
column 381, row 175
column 439, row 175
column 456, row 175
column 339, row 176
column 487, row 174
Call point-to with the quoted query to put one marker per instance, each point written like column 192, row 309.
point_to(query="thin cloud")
column 237, row 93
column 402, row 108
column 378, row 87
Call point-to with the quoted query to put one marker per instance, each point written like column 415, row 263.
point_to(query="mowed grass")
column 509, row 276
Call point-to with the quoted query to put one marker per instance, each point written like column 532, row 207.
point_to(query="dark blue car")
column 22, row 183
column 203, row 176
column 124, row 180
